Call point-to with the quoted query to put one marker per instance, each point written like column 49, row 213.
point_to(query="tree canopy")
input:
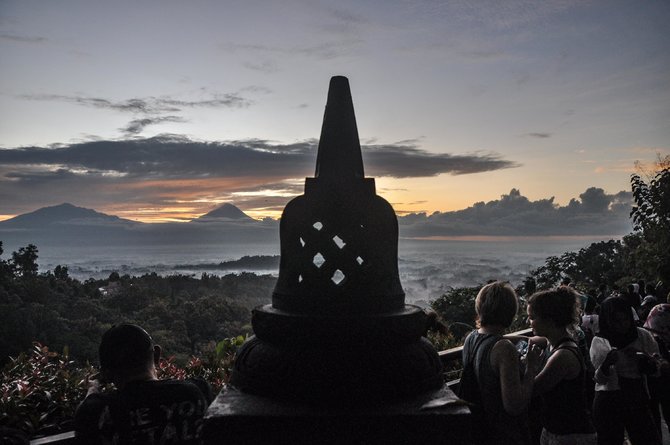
column 651, row 215
column 184, row 314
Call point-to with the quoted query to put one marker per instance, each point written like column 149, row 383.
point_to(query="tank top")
column 564, row 408
column 500, row 428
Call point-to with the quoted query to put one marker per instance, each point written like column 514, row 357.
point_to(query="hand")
column 646, row 363
column 542, row 342
column 533, row 359
column 93, row 384
column 665, row 367
column 610, row 360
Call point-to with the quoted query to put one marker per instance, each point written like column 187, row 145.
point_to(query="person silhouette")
column 142, row 409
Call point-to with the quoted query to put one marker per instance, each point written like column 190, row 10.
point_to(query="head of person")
column 616, row 322
column 658, row 322
column 434, row 323
column 590, row 306
column 555, row 310
column 650, row 289
column 496, row 305
column 127, row 352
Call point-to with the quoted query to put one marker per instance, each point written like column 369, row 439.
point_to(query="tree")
column 457, row 305
column 61, row 273
column 24, row 261
column 651, row 215
column 5, row 269
column 601, row 262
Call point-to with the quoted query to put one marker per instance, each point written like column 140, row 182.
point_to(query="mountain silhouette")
column 65, row 213
column 69, row 225
column 227, row 211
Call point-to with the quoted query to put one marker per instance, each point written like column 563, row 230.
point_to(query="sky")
column 163, row 110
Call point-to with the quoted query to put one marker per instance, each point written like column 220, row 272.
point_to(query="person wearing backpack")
column 494, row 380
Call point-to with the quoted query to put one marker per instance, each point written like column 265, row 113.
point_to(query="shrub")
column 215, row 366
column 40, row 390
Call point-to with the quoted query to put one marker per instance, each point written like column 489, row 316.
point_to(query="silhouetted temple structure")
column 338, row 357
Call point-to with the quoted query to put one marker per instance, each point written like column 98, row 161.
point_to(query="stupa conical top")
column 339, row 241
column 339, row 157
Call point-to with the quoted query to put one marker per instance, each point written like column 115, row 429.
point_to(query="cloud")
column 321, row 51
column 510, row 15
column 345, row 16
column 402, row 161
column 22, row 39
column 483, row 54
column 176, row 156
column 168, row 167
column 594, row 213
column 340, row 21
column 154, row 109
column 220, row 100
column 149, row 105
column 267, row 66
column 538, row 135
column 136, row 126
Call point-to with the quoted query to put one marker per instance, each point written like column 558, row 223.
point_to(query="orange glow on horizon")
column 182, row 200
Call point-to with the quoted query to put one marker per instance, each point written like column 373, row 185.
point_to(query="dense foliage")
column 602, row 262
column 184, row 314
column 651, row 217
column 40, row 389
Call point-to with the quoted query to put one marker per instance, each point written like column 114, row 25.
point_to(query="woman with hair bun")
column 554, row 314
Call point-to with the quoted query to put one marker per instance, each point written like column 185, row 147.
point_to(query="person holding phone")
column 561, row 384
column 623, row 356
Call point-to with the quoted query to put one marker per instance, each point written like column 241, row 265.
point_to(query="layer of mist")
column 427, row 267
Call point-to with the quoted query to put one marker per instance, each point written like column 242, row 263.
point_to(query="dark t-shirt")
column 157, row 412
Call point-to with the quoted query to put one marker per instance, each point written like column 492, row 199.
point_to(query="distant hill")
column 69, row 225
column 226, row 211
column 247, row 262
column 65, row 213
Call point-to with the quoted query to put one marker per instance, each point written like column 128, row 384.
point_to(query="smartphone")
column 522, row 347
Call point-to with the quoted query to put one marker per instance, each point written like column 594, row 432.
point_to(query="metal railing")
column 449, row 356
column 66, row 438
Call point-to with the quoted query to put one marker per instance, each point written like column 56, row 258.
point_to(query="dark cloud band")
column 175, row 156
column 147, row 105
column 256, row 172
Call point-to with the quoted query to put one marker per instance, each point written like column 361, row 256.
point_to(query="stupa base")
column 237, row 418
